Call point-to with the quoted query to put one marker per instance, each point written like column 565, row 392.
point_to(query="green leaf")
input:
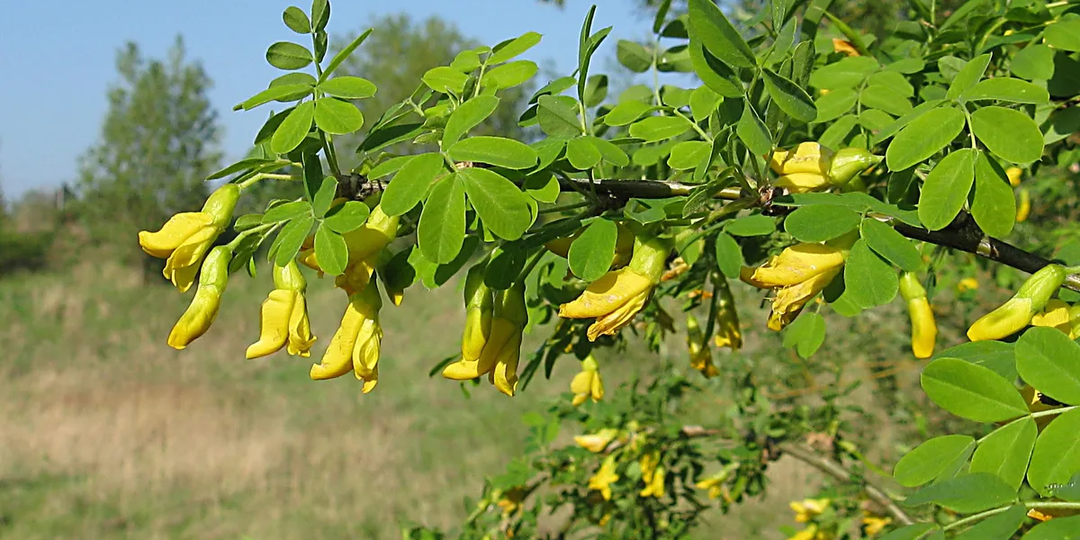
column 347, row 217
column 910, row 532
column 688, row 154
column 1057, row 453
column 659, row 128
column 626, row 112
column 1069, row 491
column 1034, row 62
column 441, row 231
column 966, row 494
column 946, row 188
column 1061, row 124
column 344, row 53
column 498, row 151
column 835, row 104
column 467, row 116
column 320, row 14
column 1008, row 133
column 446, row 80
column 349, row 87
column 1062, row 528
column 1048, row 360
column 591, row 253
column 885, row 98
column 288, row 56
column 388, row 167
column 835, row 135
column 894, row 80
column 293, row 128
column 543, row 187
column 891, row 129
column 337, row 116
column 596, row 89
column 1064, row 35
column 703, row 101
column 610, row 151
column 806, row 334
column 287, row 211
column 875, row 120
column 868, row 279
column 789, row 97
column 411, row 183
column 968, row 76
column 292, row 91
column 931, row 458
column 511, row 74
column 582, row 153
column 820, row 223
column 1007, row 89
column 291, row 237
column 718, row 35
column 847, row 73
column 324, row 196
column 971, row 391
column 633, row 56
column 999, row 527
column 891, row 245
column 755, row 225
column 752, row 131
column 1006, row 452
column 557, row 116
column 728, row 255
column 997, row 356
column 503, row 207
column 907, row 66
column 296, row 20
column 512, row 48
column 331, row 252
column 923, row 137
column 716, row 75
column 993, row 207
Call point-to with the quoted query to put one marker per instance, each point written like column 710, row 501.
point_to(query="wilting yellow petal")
column 802, row 182
column 923, row 327
column 175, row 232
column 789, row 301
column 795, row 265
column 276, row 311
column 1004, row 321
column 611, row 323
column 844, row 46
column 606, row 294
column 808, row 157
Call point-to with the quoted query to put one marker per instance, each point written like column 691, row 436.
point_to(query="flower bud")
column 923, row 326
column 213, row 279
column 479, row 306
column 1014, row 174
column 1023, row 210
column 700, row 352
column 849, row 162
column 587, row 383
column 1017, row 313
column 807, row 157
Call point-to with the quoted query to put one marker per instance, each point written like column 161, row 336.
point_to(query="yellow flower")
column 700, row 353
column 500, row 349
column 967, row 284
column 812, row 532
column 615, row 298
column 795, row 265
column 1021, row 308
column 596, row 442
column 808, row 509
column 188, row 236
column 872, row 525
column 1045, row 514
column 1023, row 210
column 1014, row 173
column 923, row 326
column 789, row 301
column 587, row 383
column 604, row 477
column 284, row 316
column 655, row 484
column 714, row 484
column 844, row 46
column 811, row 166
column 357, row 342
column 365, row 245
column 728, row 333
column 198, row 317
column 512, row 501
column 1060, row 315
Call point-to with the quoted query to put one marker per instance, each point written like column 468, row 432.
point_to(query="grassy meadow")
column 108, row 433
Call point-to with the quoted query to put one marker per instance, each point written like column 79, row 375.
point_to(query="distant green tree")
column 158, row 143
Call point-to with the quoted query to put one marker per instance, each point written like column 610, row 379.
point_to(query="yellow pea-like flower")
column 923, row 326
column 198, row 317
column 1014, row 174
column 1019, row 310
column 614, row 299
column 500, row 349
column 873, row 525
column 186, row 237
column 795, row 265
column 596, row 442
column 811, row 166
column 655, row 485
column 844, row 46
column 587, row 384
column 967, row 284
column 284, row 316
column 1023, row 210
column 807, row 509
column 700, row 352
column 604, row 478
column 1058, row 314
column 789, row 301
column 365, row 245
column 357, row 343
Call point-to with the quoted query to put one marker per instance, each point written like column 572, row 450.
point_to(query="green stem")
column 1040, row 414
column 531, row 265
column 565, row 207
column 235, row 243
column 273, row 176
column 697, row 128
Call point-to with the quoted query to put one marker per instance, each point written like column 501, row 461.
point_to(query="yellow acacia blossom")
column 596, row 442
column 1023, row 210
column 654, row 486
column 615, row 298
column 873, row 525
column 728, row 333
column 923, row 326
column 356, row 344
column 811, row 166
column 807, row 509
column 1060, row 315
column 496, row 350
column 967, row 284
column 1046, row 514
column 587, row 382
column 844, row 46
column 624, row 245
column 1018, row 311
column 284, row 318
column 198, row 317
column 714, row 485
column 186, row 237
column 604, row 477
column 700, row 352
column 365, row 246
column 812, row 532
column 1014, row 174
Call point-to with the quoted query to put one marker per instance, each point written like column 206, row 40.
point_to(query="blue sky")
column 58, row 60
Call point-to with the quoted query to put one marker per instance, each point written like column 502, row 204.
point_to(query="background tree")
column 158, row 142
